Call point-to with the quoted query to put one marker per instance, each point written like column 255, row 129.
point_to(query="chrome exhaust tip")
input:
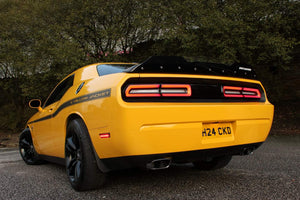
column 247, row 151
column 162, row 163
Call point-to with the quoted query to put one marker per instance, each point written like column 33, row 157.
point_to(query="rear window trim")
column 103, row 72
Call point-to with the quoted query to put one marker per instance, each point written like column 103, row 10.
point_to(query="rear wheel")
column 81, row 166
column 27, row 151
column 213, row 164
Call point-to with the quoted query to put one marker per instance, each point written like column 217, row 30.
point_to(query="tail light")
column 159, row 90
column 251, row 93
column 176, row 90
column 241, row 92
column 147, row 90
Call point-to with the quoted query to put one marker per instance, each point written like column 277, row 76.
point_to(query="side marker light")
column 104, row 135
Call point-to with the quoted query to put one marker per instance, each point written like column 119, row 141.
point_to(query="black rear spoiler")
column 178, row 65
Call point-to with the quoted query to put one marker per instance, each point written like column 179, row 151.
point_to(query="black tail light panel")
column 202, row 90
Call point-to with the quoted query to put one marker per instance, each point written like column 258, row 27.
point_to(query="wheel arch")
column 34, row 159
column 74, row 116
column 71, row 117
column 26, row 130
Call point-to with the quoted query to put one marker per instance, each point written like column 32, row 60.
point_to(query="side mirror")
column 35, row 103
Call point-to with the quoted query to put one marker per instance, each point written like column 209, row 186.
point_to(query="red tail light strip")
column 158, row 90
column 147, row 90
column 176, row 90
column 230, row 91
column 240, row 92
column 251, row 93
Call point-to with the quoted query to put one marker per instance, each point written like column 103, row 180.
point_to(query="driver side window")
column 59, row 91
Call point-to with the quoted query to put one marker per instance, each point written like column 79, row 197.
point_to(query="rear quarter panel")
column 96, row 113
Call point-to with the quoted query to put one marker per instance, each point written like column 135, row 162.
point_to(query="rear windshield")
column 112, row 68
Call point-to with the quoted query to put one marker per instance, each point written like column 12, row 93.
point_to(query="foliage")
column 42, row 41
column 253, row 32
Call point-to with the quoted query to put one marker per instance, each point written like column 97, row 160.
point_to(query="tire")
column 215, row 163
column 81, row 166
column 27, row 150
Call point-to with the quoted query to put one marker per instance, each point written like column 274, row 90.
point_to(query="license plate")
column 217, row 130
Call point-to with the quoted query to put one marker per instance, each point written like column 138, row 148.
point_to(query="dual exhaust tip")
column 162, row 163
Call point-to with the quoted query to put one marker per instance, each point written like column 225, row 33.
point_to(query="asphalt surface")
column 272, row 172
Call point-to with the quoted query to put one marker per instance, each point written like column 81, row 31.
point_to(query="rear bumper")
column 141, row 129
column 178, row 157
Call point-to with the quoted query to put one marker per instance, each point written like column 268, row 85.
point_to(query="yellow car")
column 110, row 116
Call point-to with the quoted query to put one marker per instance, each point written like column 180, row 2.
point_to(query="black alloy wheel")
column 73, row 158
column 27, row 151
column 81, row 165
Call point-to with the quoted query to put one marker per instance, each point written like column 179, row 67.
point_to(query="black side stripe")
column 41, row 119
column 84, row 98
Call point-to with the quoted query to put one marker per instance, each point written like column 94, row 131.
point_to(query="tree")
column 33, row 56
column 106, row 28
column 254, row 32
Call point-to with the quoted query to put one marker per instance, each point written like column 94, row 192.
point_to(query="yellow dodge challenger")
column 110, row 116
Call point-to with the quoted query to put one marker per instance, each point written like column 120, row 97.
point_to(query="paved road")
column 272, row 172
